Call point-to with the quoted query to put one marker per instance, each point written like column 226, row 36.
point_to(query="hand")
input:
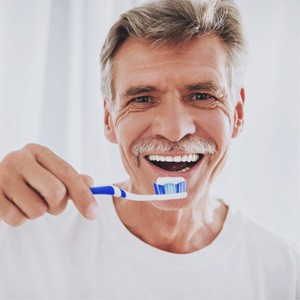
column 34, row 181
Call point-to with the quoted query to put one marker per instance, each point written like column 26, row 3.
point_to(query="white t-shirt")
column 69, row 257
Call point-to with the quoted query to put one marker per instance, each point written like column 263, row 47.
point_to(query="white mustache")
column 189, row 144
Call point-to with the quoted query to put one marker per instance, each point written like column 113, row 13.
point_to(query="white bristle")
column 171, row 180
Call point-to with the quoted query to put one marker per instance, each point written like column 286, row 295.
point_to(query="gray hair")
column 177, row 21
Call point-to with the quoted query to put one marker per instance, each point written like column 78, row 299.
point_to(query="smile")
column 178, row 163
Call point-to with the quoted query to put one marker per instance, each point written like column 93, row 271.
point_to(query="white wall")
column 263, row 172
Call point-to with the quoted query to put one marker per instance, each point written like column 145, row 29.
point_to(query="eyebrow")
column 136, row 90
column 207, row 86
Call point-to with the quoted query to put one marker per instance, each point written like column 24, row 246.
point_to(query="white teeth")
column 184, row 170
column 177, row 158
column 169, row 158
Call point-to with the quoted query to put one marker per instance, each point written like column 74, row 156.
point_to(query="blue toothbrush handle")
column 108, row 190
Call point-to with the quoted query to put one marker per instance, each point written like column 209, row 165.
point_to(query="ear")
column 239, row 115
column 109, row 128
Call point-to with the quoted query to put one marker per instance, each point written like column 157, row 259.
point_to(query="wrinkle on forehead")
column 139, row 55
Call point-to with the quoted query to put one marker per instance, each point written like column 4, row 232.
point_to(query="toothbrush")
column 166, row 188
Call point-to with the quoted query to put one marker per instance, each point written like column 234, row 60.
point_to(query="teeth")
column 177, row 158
column 162, row 158
column 169, row 158
column 184, row 158
column 185, row 169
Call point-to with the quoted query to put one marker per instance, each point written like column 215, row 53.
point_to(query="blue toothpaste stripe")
column 170, row 188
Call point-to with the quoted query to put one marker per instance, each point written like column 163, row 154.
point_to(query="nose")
column 173, row 121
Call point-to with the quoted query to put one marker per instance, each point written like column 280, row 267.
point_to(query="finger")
column 11, row 214
column 42, row 182
column 88, row 179
column 30, row 203
column 51, row 189
column 77, row 189
column 59, row 208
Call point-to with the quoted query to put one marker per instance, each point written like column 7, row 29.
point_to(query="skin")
column 34, row 180
column 173, row 92
column 189, row 96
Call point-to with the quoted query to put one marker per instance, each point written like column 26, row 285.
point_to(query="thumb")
column 92, row 211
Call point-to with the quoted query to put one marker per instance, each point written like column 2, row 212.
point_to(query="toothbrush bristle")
column 170, row 185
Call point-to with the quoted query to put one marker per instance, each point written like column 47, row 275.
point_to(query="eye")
column 141, row 99
column 202, row 96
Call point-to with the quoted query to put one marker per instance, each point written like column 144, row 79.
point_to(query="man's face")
column 174, row 114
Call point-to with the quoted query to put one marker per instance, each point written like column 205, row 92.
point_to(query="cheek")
column 218, row 117
column 129, row 127
column 217, row 124
column 120, row 117
column 227, row 110
column 220, row 131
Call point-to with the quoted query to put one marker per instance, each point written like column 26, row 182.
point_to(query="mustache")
column 189, row 144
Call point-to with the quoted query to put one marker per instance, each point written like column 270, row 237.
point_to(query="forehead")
column 138, row 62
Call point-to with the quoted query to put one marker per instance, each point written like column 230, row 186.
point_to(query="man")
column 172, row 82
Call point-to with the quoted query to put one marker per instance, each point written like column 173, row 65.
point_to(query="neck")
column 179, row 231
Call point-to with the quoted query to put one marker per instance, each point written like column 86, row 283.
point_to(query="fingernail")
column 92, row 212
column 90, row 181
